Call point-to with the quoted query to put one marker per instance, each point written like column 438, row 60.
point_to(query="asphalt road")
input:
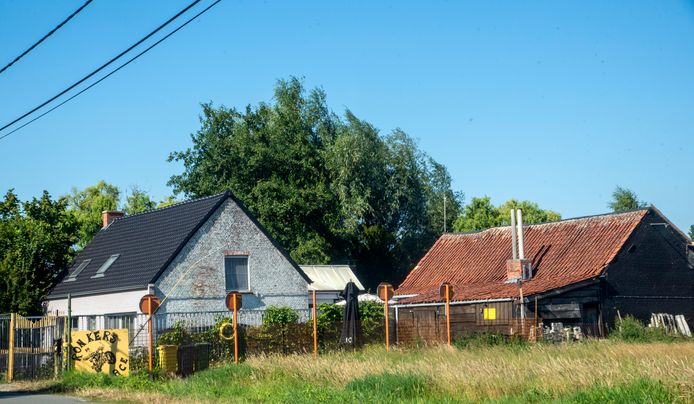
column 12, row 397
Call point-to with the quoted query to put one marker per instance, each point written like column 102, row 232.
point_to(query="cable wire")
column 112, row 72
column 82, row 80
column 46, row 36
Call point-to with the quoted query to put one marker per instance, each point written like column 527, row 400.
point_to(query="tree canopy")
column 624, row 199
column 691, row 232
column 36, row 240
column 87, row 206
column 137, row 202
column 328, row 188
column 481, row 214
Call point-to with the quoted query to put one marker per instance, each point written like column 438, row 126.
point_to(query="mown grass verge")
column 590, row 372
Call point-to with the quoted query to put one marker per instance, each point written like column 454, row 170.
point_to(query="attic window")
column 76, row 271
column 106, row 266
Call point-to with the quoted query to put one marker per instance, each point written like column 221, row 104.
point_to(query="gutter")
column 96, row 292
column 457, row 303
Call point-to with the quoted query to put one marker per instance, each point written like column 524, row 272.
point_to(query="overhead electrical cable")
column 46, row 36
column 115, row 70
column 102, row 67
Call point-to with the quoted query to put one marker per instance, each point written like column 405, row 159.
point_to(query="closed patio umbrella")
column 351, row 326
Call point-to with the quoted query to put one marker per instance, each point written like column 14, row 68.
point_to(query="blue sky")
column 556, row 102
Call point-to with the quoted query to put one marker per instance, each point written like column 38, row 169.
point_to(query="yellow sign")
column 101, row 351
column 490, row 313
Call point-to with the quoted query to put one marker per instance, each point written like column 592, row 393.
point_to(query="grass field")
column 589, row 372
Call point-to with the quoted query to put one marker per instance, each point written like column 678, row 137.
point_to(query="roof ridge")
column 172, row 205
column 568, row 219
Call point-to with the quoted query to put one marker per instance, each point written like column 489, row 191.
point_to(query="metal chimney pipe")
column 521, row 252
column 513, row 234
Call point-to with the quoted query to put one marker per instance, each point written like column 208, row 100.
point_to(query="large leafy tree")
column 691, row 232
column 624, row 199
column 87, row 206
column 138, row 201
column 481, row 214
column 36, row 240
column 328, row 188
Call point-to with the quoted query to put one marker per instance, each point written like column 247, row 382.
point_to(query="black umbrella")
column 351, row 326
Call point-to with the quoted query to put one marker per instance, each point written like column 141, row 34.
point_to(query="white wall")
column 123, row 302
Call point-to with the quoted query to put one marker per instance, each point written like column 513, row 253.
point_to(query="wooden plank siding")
column 428, row 324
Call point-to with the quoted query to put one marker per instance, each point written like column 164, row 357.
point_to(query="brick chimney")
column 108, row 216
column 518, row 268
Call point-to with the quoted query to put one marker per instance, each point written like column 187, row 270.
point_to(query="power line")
column 115, row 70
column 46, row 36
column 82, row 80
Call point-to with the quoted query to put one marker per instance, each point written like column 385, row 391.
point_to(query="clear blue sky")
column 556, row 102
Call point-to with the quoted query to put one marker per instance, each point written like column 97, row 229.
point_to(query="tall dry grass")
column 499, row 371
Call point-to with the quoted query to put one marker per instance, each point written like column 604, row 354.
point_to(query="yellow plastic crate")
column 168, row 358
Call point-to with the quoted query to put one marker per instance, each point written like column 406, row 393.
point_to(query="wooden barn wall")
column 428, row 324
column 651, row 274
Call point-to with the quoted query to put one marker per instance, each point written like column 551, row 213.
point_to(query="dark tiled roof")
column 146, row 242
column 563, row 253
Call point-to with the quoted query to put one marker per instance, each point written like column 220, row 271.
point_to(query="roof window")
column 76, row 271
column 100, row 272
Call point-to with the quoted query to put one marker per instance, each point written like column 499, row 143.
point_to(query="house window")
column 100, row 272
column 76, row 271
column 126, row 321
column 236, row 273
column 91, row 323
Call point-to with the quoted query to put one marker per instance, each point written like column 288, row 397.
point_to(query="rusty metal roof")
column 563, row 253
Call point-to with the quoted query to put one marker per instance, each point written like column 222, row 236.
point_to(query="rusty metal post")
column 236, row 334
column 387, row 325
column 10, row 358
column 448, row 313
column 315, row 327
column 150, row 331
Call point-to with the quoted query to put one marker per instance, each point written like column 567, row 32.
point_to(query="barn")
column 584, row 272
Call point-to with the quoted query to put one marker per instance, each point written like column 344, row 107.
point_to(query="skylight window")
column 76, row 271
column 106, row 266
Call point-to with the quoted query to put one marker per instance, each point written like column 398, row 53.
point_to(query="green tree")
column 480, row 214
column 87, row 206
column 624, row 199
column 691, row 232
column 328, row 188
column 36, row 239
column 532, row 213
column 168, row 201
column 137, row 202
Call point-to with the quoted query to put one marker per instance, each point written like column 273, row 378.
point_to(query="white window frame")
column 248, row 270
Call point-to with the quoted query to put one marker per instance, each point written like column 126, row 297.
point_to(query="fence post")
column 236, row 334
column 10, row 358
column 150, row 329
column 69, row 331
column 315, row 327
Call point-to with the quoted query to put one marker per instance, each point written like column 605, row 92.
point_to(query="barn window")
column 76, row 271
column 236, row 273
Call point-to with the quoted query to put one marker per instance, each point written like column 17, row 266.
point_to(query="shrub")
column 371, row 311
column 486, row 339
column 630, row 329
column 280, row 315
column 176, row 335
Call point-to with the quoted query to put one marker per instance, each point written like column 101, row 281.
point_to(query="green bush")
column 176, row 335
column 371, row 311
column 280, row 315
column 630, row 329
column 486, row 339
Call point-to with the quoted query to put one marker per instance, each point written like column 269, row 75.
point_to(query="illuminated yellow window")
column 490, row 313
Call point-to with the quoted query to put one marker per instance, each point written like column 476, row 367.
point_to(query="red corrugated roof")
column 563, row 253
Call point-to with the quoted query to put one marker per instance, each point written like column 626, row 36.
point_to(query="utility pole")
column 444, row 212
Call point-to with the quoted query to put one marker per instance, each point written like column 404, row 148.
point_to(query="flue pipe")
column 513, row 234
column 521, row 252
